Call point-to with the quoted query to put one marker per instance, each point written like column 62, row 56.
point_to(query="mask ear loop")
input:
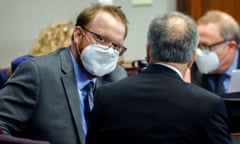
column 85, row 35
column 77, row 48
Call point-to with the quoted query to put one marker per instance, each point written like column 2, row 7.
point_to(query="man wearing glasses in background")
column 49, row 97
column 218, row 53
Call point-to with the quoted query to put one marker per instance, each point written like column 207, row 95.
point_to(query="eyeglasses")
column 104, row 41
column 209, row 47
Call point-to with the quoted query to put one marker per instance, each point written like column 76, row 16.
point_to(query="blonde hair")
column 53, row 37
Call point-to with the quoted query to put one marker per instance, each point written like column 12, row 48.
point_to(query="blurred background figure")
column 55, row 36
column 218, row 52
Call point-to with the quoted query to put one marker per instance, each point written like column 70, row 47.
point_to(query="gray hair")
column 172, row 38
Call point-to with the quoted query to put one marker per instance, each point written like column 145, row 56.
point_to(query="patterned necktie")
column 220, row 83
column 88, row 100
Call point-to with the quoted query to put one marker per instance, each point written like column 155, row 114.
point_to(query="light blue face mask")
column 99, row 60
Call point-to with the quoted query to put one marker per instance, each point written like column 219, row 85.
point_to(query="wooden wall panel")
column 196, row 8
column 192, row 8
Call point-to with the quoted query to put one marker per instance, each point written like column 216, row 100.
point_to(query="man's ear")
column 232, row 44
column 77, row 34
column 148, row 52
column 190, row 63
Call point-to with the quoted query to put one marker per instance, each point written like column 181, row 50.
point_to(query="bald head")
column 216, row 16
column 175, row 28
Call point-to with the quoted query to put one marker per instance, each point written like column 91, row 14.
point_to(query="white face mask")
column 207, row 61
column 99, row 60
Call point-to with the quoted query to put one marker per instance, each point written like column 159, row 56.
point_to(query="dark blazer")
column 156, row 106
column 40, row 100
column 201, row 79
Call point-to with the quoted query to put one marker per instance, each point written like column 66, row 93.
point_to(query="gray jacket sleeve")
column 19, row 97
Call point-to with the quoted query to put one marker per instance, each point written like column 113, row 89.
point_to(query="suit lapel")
column 69, row 83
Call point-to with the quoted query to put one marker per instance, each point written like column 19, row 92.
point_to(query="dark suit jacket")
column 156, row 106
column 202, row 80
column 40, row 100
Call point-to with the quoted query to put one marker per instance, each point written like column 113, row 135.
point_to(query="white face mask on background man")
column 99, row 60
column 208, row 61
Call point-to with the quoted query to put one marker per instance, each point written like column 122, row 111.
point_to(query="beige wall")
column 21, row 21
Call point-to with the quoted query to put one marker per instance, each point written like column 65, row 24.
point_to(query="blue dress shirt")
column 82, row 80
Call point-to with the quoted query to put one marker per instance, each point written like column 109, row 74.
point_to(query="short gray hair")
column 172, row 38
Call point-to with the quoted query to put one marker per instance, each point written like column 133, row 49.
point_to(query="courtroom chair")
column 232, row 102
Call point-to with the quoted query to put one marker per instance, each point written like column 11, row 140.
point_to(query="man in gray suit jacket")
column 44, row 99
column 155, row 106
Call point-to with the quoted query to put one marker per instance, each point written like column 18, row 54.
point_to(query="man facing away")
column 156, row 105
column 219, row 41
column 48, row 97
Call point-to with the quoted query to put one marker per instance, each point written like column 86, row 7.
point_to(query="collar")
column 234, row 65
column 171, row 67
column 160, row 68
